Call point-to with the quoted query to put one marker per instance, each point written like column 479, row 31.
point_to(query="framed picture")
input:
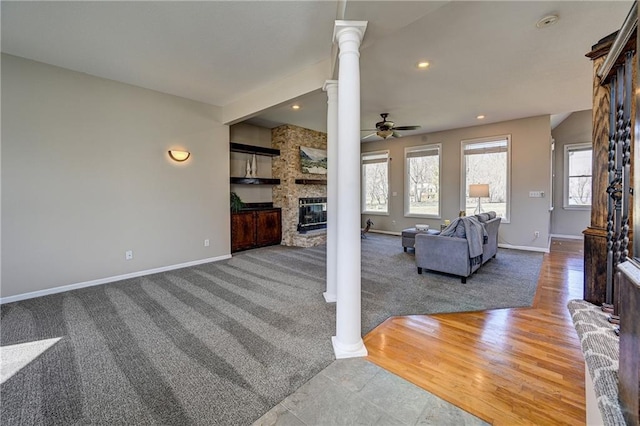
column 313, row 160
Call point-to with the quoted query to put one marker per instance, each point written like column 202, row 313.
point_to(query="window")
column 422, row 181
column 487, row 161
column 375, row 182
column 577, row 176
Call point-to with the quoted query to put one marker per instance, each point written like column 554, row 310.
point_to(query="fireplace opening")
column 312, row 213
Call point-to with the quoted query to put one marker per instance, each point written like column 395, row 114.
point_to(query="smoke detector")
column 547, row 21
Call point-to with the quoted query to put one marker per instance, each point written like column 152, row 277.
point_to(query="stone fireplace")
column 295, row 185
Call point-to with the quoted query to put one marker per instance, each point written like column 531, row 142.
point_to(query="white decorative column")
column 331, row 87
column 348, row 342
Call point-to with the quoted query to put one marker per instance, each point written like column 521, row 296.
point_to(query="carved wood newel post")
column 606, row 240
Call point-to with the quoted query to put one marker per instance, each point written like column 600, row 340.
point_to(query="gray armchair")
column 451, row 254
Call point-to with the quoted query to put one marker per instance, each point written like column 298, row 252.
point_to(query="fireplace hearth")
column 312, row 213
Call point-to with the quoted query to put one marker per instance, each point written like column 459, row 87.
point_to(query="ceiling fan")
column 387, row 128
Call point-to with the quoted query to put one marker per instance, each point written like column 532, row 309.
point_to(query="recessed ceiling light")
column 423, row 65
column 480, row 117
column 295, row 106
column 547, row 21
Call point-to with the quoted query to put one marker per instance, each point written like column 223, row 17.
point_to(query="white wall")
column 530, row 171
column 86, row 176
column 577, row 128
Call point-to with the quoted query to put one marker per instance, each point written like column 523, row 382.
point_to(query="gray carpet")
column 219, row 343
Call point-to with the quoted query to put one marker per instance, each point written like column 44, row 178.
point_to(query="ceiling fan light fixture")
column 385, row 133
column 387, row 128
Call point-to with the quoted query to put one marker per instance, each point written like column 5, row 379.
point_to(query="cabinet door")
column 269, row 227
column 243, row 231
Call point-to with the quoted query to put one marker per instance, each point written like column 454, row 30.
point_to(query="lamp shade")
column 479, row 190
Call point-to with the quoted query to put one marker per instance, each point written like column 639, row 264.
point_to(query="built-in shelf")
column 251, row 149
column 257, row 206
column 311, row 181
column 254, row 181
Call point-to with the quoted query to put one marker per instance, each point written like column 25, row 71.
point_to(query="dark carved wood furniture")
column 255, row 228
column 607, row 239
column 612, row 263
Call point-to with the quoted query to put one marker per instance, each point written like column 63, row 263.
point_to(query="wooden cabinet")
column 268, row 227
column 255, row 228
column 243, row 230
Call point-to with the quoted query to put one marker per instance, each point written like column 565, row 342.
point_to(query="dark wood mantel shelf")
column 254, row 181
column 311, row 181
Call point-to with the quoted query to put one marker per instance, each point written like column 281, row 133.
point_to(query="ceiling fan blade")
column 369, row 130
column 368, row 136
column 406, row 127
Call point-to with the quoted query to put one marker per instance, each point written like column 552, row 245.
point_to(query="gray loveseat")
column 451, row 251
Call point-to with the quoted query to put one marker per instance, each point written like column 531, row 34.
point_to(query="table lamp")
column 478, row 190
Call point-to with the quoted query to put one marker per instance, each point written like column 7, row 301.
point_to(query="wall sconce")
column 479, row 191
column 179, row 156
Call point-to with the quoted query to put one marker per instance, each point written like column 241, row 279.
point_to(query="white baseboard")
column 377, row 231
column 525, row 248
column 106, row 280
column 567, row 237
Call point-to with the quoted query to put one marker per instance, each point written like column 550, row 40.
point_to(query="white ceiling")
column 486, row 57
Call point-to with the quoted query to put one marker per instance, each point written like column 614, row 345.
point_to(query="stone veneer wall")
column 286, row 167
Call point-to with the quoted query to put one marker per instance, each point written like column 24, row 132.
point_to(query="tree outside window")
column 486, row 161
column 375, row 182
column 422, row 181
column 577, row 171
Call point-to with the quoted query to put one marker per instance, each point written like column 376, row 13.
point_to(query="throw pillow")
column 483, row 217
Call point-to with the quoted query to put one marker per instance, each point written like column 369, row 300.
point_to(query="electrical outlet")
column 206, row 242
column 128, row 255
column 536, row 234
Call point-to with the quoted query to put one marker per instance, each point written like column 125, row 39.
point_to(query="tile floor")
column 356, row 391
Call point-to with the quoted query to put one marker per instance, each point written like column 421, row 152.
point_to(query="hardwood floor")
column 506, row 366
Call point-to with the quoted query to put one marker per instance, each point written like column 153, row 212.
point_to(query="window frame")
column 582, row 146
column 407, row 185
column 363, row 183
column 463, row 171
